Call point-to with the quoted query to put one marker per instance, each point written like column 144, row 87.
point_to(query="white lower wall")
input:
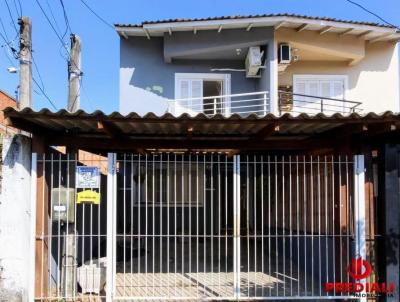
column 15, row 219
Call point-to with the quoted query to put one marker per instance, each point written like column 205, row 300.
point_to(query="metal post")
column 25, row 61
column 236, row 225
column 111, row 224
column 215, row 106
column 265, row 103
column 31, row 293
column 359, row 212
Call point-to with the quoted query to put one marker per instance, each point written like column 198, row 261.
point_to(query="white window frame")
column 323, row 77
column 225, row 77
column 317, row 77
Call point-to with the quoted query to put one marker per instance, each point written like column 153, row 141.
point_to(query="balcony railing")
column 242, row 103
column 258, row 103
column 311, row 104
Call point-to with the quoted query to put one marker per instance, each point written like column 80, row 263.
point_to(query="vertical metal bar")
column 153, row 218
column 340, row 218
column 255, row 222
column 31, row 292
column 276, row 223
column 262, row 220
column 305, row 221
column 43, row 216
column 219, row 222
column 124, row 221
column 347, row 215
column 290, row 225
column 236, row 223
column 319, row 227
column 326, row 220
column 212, row 218
column 197, row 225
column 359, row 213
column 50, row 247
column 298, row 224
column 59, row 260
column 168, row 225
column 139, row 205
column 312, row 223
column 269, row 221
column 248, row 224
column 161, row 202
column 226, row 217
column 111, row 223
column 183, row 238
column 146, row 186
column 265, row 103
column 333, row 223
column 132, row 235
column 283, row 224
column 204, row 220
column 175, row 225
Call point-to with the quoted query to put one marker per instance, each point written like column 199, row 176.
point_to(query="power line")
column 11, row 16
column 44, row 93
column 67, row 27
column 372, row 13
column 97, row 15
column 19, row 11
column 52, row 15
column 52, row 26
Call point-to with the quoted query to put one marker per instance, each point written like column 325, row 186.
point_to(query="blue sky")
column 100, row 53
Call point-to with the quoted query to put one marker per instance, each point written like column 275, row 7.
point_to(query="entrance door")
column 319, row 93
column 201, row 93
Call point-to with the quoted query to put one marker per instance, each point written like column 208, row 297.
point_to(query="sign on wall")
column 87, row 177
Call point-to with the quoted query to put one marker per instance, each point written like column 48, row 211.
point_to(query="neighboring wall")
column 147, row 80
column 374, row 81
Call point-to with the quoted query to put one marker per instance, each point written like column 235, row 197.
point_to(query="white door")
column 189, row 93
column 312, row 94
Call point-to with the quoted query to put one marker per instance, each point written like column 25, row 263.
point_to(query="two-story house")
column 253, row 158
column 258, row 64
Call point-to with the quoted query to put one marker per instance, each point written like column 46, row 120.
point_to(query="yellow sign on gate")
column 88, row 196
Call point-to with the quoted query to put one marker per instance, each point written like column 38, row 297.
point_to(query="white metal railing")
column 241, row 103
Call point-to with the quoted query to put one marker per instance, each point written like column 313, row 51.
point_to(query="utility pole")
column 74, row 74
column 25, row 61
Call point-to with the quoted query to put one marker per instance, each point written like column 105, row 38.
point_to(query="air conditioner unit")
column 253, row 61
column 285, row 53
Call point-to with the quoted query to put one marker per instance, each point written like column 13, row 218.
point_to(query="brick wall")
column 5, row 101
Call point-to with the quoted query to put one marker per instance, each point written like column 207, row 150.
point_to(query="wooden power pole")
column 74, row 74
column 25, row 61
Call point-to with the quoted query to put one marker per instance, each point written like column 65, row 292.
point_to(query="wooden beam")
column 380, row 38
column 364, row 34
column 123, row 34
column 193, row 144
column 147, row 33
column 325, row 30
column 302, row 27
column 28, row 126
column 347, row 31
column 109, row 128
column 266, row 131
column 279, row 25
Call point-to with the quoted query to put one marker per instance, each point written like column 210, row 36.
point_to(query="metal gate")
column 200, row 226
column 208, row 226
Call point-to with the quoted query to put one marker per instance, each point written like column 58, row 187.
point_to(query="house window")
column 312, row 89
column 161, row 183
column 202, row 92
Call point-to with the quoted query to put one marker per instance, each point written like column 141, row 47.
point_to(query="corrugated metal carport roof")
column 166, row 130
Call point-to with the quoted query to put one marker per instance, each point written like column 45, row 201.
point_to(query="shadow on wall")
column 148, row 100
